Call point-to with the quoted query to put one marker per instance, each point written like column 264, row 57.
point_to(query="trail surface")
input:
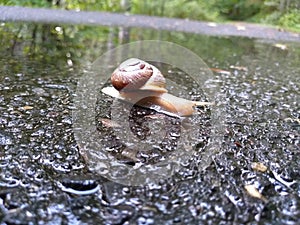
column 41, row 15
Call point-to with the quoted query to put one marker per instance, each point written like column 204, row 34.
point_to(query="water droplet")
column 5, row 139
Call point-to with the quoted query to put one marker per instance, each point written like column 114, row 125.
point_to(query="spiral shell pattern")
column 136, row 75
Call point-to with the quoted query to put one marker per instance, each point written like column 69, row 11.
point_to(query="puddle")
column 39, row 72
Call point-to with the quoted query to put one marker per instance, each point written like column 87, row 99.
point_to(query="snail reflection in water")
column 141, row 83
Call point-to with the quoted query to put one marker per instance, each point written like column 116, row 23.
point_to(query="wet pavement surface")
column 253, row 177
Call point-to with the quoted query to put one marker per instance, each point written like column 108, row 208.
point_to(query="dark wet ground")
column 44, row 180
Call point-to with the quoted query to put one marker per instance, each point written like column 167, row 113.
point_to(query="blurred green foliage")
column 282, row 13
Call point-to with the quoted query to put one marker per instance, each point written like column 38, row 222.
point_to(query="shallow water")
column 44, row 179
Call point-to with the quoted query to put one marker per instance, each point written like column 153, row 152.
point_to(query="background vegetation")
column 282, row 13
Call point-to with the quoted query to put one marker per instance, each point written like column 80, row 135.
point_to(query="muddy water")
column 44, row 179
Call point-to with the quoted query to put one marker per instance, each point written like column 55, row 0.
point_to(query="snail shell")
column 141, row 83
column 134, row 74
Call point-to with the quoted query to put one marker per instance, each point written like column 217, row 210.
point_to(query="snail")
column 141, row 83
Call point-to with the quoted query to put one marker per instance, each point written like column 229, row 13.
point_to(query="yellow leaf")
column 259, row 167
column 251, row 190
column 27, row 107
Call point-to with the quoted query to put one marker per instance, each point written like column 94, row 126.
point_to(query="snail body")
column 141, row 83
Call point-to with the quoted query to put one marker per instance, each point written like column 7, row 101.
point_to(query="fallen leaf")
column 281, row 46
column 242, row 68
column 238, row 144
column 109, row 122
column 259, row 167
column 252, row 190
column 27, row 107
column 216, row 70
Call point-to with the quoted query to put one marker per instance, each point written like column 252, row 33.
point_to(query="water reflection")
column 45, row 42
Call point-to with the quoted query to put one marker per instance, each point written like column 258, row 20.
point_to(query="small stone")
column 259, row 167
